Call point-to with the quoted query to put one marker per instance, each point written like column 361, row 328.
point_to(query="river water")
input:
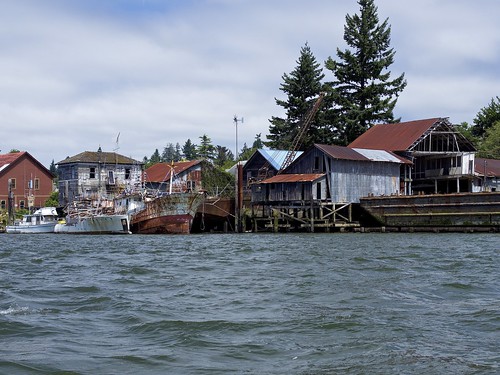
column 377, row 303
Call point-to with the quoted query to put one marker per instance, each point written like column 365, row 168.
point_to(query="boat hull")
column 438, row 210
column 99, row 224
column 43, row 220
column 169, row 214
column 31, row 229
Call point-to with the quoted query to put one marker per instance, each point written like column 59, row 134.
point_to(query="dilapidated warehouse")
column 319, row 187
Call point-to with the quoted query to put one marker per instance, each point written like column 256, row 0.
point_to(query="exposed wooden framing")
column 309, row 216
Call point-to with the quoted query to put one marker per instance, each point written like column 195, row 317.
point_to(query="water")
column 250, row 304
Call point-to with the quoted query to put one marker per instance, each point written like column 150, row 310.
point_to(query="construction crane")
column 299, row 137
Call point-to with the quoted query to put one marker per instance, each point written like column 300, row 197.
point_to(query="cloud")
column 74, row 74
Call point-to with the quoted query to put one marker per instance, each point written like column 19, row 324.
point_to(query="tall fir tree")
column 362, row 90
column 301, row 86
column 189, row 150
column 206, row 150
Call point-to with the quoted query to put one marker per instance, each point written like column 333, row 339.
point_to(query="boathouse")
column 443, row 159
column 263, row 163
column 30, row 182
column 178, row 176
column 96, row 172
column 319, row 187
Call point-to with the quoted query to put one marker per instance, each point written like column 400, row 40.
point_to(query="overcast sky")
column 76, row 73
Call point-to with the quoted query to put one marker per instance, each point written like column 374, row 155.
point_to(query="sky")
column 132, row 76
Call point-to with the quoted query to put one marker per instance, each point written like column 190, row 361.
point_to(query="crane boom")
column 299, row 137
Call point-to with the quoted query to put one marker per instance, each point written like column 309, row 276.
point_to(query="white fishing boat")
column 83, row 218
column 42, row 220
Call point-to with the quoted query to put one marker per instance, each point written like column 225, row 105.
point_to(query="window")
column 92, row 172
column 3, row 205
column 37, row 184
column 22, row 205
column 111, row 177
column 127, row 173
column 316, row 163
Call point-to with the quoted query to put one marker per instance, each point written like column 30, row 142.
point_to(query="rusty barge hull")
column 437, row 210
column 168, row 214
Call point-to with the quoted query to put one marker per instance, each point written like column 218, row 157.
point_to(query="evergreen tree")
column 222, row 156
column 486, row 118
column 168, row 154
column 53, row 168
column 189, row 150
column 177, row 152
column 362, row 89
column 206, row 150
column 155, row 158
column 301, row 86
column 258, row 142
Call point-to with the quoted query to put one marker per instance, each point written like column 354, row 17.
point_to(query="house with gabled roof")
column 487, row 174
column 443, row 159
column 90, row 174
column 30, row 181
column 181, row 176
column 334, row 174
column 264, row 163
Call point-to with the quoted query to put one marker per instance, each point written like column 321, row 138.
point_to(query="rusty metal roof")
column 302, row 177
column 340, row 152
column 160, row 172
column 394, row 137
column 360, row 154
column 489, row 166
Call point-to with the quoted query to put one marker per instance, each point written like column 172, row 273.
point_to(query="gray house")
column 334, row 174
column 91, row 174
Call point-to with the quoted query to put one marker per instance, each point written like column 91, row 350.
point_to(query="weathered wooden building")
column 335, row 174
column 443, row 159
column 263, row 164
column 31, row 182
column 93, row 173
column 184, row 175
column 318, row 188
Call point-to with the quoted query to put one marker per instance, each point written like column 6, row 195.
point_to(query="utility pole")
column 236, row 180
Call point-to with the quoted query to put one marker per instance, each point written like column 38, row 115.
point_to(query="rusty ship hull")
column 167, row 214
column 473, row 210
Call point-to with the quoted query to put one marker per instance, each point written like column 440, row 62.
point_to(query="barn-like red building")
column 31, row 182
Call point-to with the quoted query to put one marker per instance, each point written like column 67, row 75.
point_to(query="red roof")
column 6, row 159
column 160, row 172
column 394, row 137
column 490, row 166
column 303, row 177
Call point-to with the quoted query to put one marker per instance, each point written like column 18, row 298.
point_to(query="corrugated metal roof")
column 276, row 157
column 340, row 152
column 305, row 177
column 393, row 137
column 491, row 166
column 99, row 156
column 160, row 172
column 382, row 155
